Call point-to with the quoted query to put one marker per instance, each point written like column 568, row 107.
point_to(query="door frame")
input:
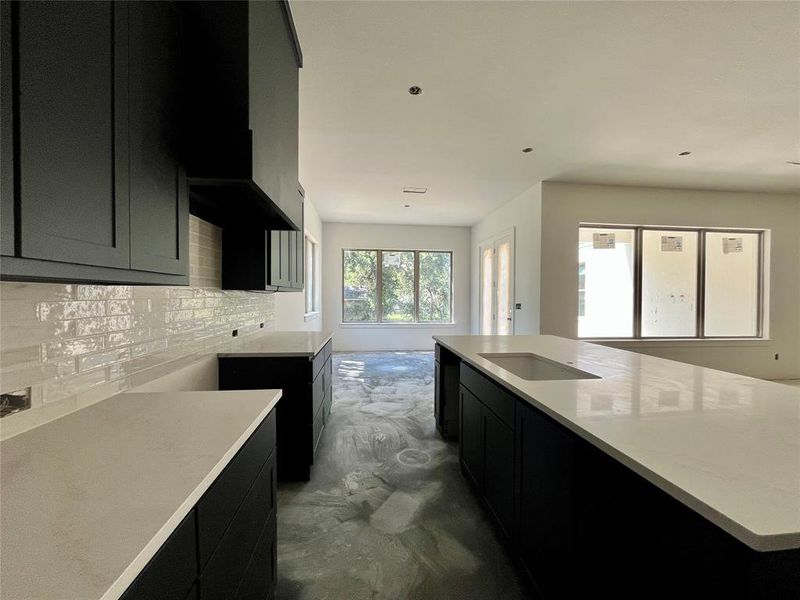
column 492, row 241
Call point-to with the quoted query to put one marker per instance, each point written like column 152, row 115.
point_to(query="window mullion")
column 416, row 286
column 637, row 283
column 701, row 284
column 761, row 275
column 379, row 291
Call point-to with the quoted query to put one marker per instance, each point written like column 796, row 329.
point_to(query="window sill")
column 311, row 316
column 677, row 342
column 395, row 325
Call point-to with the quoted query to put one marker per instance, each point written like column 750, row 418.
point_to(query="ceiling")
column 604, row 92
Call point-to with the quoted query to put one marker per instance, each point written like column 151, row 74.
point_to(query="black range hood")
column 230, row 196
column 242, row 64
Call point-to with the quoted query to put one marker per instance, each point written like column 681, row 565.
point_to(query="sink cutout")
column 536, row 368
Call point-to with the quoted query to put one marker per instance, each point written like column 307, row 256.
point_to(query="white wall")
column 564, row 206
column 365, row 337
column 523, row 213
column 290, row 307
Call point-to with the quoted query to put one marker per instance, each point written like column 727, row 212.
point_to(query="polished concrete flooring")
column 387, row 514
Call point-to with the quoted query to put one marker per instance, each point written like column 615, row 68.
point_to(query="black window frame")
column 379, row 287
column 701, row 280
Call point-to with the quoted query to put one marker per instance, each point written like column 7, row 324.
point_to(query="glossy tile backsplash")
column 63, row 340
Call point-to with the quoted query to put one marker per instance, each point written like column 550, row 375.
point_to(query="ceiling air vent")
column 414, row 190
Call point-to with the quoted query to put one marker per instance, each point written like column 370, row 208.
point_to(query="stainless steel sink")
column 536, row 368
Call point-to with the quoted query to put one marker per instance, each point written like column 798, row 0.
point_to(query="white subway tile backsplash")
column 103, row 359
column 103, row 324
column 73, row 347
column 81, row 343
column 103, row 292
column 60, row 311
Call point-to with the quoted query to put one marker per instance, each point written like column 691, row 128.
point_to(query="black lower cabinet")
column 446, row 392
column 171, row 573
column 498, row 471
column 487, row 456
column 226, row 568
column 544, row 502
column 304, row 407
column 261, row 573
column 226, row 545
column 584, row 525
column 471, row 450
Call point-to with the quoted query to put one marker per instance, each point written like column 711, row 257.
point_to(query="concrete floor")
column 387, row 514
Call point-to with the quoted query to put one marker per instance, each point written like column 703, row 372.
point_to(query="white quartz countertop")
column 725, row 445
column 89, row 498
column 282, row 343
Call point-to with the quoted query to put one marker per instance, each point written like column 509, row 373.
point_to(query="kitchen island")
column 647, row 478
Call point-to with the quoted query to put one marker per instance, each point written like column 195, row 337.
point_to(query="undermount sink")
column 536, row 368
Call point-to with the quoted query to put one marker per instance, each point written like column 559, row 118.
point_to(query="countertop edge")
column 138, row 564
column 755, row 541
column 256, row 354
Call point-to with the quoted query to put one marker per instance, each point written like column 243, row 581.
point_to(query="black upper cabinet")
column 158, row 192
column 241, row 126
column 7, row 220
column 258, row 260
column 274, row 81
column 92, row 189
column 72, row 111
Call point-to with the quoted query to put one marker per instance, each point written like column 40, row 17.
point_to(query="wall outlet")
column 777, row 356
column 13, row 402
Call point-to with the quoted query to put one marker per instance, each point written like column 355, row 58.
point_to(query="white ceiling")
column 605, row 92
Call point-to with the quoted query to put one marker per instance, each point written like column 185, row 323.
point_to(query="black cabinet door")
column 279, row 274
column 7, row 132
column 498, row 474
column 437, row 395
column 171, row 573
column 293, row 259
column 159, row 202
column 300, row 248
column 545, row 504
column 472, row 444
column 73, row 132
column 300, row 265
column 274, row 106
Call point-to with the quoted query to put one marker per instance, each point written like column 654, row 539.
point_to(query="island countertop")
column 281, row 343
column 725, row 445
column 89, row 498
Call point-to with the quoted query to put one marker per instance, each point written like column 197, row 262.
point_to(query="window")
column 669, row 283
column 732, row 275
column 649, row 282
column 311, row 276
column 607, row 256
column 397, row 286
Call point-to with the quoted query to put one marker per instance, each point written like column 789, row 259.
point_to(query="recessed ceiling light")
column 415, row 190
column 528, row 149
column 415, row 90
column 793, row 162
column 684, row 153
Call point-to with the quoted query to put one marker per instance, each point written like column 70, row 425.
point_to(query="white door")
column 497, row 285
